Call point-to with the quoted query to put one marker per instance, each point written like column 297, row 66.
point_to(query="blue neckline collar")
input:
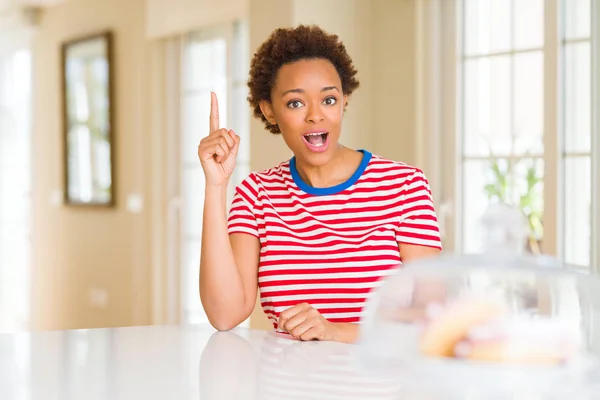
column 333, row 189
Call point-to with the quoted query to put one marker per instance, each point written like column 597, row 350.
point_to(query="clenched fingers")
column 305, row 315
column 291, row 312
column 310, row 329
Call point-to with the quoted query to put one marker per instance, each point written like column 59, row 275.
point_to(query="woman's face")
column 308, row 105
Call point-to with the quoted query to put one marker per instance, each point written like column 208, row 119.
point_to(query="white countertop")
column 179, row 363
column 194, row 362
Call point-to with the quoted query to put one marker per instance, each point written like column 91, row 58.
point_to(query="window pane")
column 528, row 181
column 487, row 106
column 193, row 200
column 528, row 101
column 578, row 96
column 487, row 26
column 474, row 203
column 240, row 121
column 199, row 67
column 528, row 23
column 206, row 63
column 193, row 313
column 196, row 108
column 577, row 18
column 240, row 53
column 15, row 185
column 519, row 184
column 206, row 67
column 577, row 212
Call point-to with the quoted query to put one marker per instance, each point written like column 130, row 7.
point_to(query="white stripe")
column 327, row 259
column 420, row 242
column 242, row 229
column 309, row 261
column 373, row 238
column 417, row 231
column 241, row 214
column 308, row 265
column 343, row 275
column 302, row 245
column 356, row 230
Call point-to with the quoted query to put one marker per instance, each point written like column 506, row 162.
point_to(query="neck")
column 343, row 164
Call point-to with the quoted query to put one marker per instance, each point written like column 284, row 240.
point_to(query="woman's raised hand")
column 218, row 151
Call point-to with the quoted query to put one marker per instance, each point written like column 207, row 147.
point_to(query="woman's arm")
column 410, row 252
column 228, row 266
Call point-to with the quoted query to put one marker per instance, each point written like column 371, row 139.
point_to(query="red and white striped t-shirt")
column 330, row 247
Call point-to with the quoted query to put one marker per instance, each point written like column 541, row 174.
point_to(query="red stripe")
column 316, row 281
column 316, row 250
column 287, row 303
column 325, row 271
column 299, row 292
column 344, row 320
column 333, row 242
column 404, row 235
column 335, row 260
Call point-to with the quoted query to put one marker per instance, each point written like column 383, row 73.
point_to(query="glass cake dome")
column 499, row 322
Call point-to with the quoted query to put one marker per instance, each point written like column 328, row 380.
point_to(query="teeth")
column 315, row 134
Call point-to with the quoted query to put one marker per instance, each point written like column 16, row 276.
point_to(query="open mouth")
column 316, row 139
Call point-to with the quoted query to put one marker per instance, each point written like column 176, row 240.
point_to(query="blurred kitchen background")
column 496, row 100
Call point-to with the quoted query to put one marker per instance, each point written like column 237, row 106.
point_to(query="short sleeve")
column 242, row 217
column 418, row 223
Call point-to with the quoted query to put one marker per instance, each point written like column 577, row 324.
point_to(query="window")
column 525, row 111
column 15, row 95
column 213, row 60
column 503, row 103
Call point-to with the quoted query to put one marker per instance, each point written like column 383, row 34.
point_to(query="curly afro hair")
column 287, row 45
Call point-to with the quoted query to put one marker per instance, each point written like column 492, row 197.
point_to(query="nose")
column 314, row 114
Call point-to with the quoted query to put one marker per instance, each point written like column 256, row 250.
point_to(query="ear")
column 267, row 109
column 345, row 100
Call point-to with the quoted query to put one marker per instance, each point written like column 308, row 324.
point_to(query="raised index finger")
column 214, row 112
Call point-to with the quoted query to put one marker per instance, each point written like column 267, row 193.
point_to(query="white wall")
column 169, row 17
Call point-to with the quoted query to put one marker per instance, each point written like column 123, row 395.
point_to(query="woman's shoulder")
column 268, row 176
column 393, row 169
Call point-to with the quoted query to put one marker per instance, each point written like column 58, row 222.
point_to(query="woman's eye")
column 330, row 101
column 294, row 104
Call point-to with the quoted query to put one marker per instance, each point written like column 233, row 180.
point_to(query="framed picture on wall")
column 88, row 120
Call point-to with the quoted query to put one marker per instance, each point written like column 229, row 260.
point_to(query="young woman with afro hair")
column 318, row 232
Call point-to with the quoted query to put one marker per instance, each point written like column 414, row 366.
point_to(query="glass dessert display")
column 497, row 323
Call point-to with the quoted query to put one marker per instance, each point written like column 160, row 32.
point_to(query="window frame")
column 595, row 57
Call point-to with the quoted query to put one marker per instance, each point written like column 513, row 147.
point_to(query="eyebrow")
column 298, row 90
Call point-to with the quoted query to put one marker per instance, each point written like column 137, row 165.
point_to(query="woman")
column 315, row 233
